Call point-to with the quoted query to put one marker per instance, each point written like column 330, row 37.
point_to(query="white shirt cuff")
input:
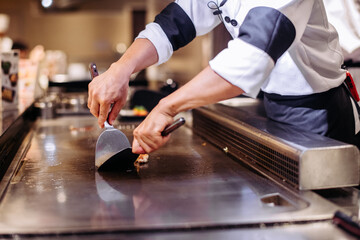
column 154, row 33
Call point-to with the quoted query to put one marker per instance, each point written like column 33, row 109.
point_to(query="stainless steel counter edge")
column 13, row 136
column 15, row 165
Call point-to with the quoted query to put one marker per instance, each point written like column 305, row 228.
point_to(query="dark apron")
column 329, row 113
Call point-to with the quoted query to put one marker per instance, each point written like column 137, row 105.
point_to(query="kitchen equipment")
column 113, row 149
column 283, row 153
column 47, row 106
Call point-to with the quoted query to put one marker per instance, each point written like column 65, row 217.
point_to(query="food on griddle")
column 143, row 158
column 140, row 111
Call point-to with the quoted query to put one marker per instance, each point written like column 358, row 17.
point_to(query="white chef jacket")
column 285, row 47
column 345, row 16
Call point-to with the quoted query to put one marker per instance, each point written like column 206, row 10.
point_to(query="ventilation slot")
column 249, row 145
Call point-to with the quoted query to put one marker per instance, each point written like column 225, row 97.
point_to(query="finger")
column 115, row 111
column 89, row 96
column 94, row 108
column 104, row 110
column 147, row 140
column 89, row 101
column 145, row 147
column 136, row 148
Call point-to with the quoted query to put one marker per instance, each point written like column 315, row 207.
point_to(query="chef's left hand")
column 147, row 136
column 111, row 87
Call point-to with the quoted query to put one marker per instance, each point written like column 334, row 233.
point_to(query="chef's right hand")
column 111, row 87
column 147, row 136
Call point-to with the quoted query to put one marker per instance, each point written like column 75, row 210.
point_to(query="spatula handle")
column 172, row 127
column 93, row 70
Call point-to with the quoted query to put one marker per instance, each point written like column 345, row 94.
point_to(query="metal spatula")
column 113, row 149
column 111, row 142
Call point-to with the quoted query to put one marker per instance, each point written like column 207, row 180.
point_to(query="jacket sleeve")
column 177, row 25
column 265, row 34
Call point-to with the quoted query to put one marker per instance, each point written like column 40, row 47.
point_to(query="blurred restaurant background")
column 81, row 31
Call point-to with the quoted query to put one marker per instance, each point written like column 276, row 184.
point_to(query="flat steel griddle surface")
column 188, row 184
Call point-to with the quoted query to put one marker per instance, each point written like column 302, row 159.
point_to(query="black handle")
column 175, row 125
column 346, row 223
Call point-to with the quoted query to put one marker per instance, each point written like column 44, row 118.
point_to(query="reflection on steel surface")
column 186, row 185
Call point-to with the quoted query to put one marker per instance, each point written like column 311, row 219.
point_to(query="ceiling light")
column 46, row 3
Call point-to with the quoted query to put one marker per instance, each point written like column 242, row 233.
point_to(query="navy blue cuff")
column 268, row 29
column 177, row 25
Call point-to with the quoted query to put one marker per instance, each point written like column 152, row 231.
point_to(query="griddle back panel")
column 284, row 154
column 246, row 144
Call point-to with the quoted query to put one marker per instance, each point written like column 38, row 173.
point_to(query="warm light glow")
column 121, row 48
column 50, row 147
column 46, row 3
column 61, row 196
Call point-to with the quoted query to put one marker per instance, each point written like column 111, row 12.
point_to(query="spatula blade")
column 110, row 142
column 123, row 160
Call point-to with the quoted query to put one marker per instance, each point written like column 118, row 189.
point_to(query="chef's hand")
column 111, row 87
column 147, row 136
